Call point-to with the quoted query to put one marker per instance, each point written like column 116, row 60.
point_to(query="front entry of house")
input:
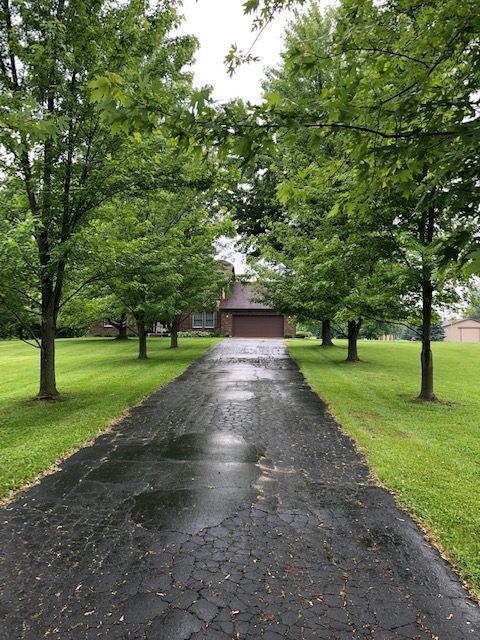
column 253, row 326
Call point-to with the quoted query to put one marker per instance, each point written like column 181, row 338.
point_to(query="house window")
column 203, row 320
column 107, row 325
column 158, row 327
column 197, row 322
column 209, row 320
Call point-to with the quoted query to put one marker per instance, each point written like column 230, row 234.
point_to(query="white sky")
column 218, row 24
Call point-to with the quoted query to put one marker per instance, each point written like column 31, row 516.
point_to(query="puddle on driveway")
column 216, row 446
column 222, row 446
column 157, row 507
column 188, row 510
column 234, row 395
column 215, row 477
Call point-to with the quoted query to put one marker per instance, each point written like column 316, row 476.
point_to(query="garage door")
column 257, row 326
column 469, row 334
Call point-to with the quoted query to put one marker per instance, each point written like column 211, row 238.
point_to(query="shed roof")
column 242, row 296
column 453, row 322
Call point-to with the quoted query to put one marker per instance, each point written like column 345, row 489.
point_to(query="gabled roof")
column 242, row 296
column 227, row 266
column 452, row 322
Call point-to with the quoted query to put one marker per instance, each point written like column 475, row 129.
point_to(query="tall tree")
column 324, row 257
column 155, row 251
column 201, row 277
column 55, row 56
column 410, row 80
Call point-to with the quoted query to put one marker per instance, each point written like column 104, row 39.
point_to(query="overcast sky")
column 220, row 23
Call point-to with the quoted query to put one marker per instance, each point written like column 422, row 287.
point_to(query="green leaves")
column 109, row 87
column 472, row 266
column 334, row 211
column 77, row 80
column 249, row 6
column 235, row 58
column 273, row 98
column 200, row 98
column 154, row 247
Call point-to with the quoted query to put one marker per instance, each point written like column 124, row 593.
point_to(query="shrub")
column 303, row 334
column 198, row 334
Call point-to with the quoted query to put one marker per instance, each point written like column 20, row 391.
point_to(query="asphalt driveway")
column 229, row 505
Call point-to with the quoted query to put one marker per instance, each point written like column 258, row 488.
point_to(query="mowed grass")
column 99, row 378
column 428, row 454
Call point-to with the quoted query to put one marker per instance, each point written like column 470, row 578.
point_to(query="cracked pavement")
column 228, row 505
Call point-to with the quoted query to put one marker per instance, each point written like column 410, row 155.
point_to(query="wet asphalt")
column 229, row 505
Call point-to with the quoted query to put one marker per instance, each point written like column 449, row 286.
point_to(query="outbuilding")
column 466, row 330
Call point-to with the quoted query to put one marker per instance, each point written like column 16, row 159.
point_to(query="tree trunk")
column 426, row 357
column 426, row 233
column 121, row 325
column 174, row 336
column 48, row 385
column 142, row 340
column 122, row 332
column 353, row 331
column 326, row 334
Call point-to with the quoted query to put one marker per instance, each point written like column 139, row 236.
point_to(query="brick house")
column 237, row 315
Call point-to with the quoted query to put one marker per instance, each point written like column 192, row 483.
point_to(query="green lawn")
column 99, row 378
column 428, row 454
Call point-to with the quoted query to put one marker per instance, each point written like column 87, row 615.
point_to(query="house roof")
column 226, row 266
column 452, row 322
column 242, row 296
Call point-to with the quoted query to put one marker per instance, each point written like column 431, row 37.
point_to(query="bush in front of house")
column 198, row 334
column 303, row 334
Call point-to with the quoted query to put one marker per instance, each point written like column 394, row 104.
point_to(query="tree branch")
column 29, row 298
column 72, row 295
column 25, row 326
